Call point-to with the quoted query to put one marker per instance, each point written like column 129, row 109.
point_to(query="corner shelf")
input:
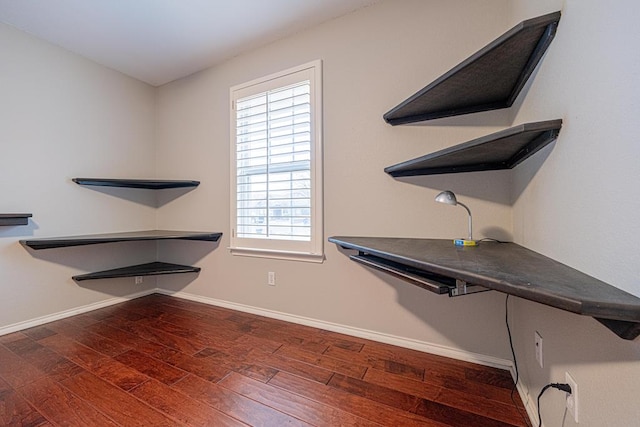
column 439, row 266
column 149, row 269
column 501, row 150
column 133, row 236
column 490, row 79
column 15, row 219
column 136, row 183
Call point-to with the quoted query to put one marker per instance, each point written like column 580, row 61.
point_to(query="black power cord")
column 489, row 239
column 563, row 387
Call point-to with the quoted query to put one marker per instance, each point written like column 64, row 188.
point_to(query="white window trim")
column 312, row 251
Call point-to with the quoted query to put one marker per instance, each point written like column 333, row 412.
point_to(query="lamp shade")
column 447, row 197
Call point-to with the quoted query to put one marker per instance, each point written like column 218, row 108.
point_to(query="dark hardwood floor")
column 160, row 360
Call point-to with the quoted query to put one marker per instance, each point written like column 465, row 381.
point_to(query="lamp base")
column 465, row 242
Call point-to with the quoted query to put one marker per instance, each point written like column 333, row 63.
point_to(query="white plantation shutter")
column 273, row 144
column 277, row 164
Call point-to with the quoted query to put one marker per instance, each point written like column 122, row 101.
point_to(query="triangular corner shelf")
column 501, row 150
column 150, row 184
column 149, row 269
column 490, row 79
column 438, row 266
column 132, row 236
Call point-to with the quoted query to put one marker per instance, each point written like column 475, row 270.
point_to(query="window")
column 276, row 165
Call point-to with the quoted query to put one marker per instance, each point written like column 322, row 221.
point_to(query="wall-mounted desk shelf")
column 149, row 269
column 150, row 184
column 490, row 79
column 133, row 236
column 439, row 266
column 15, row 219
column 501, row 150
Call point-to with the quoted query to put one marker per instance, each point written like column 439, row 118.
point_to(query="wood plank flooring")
column 160, row 360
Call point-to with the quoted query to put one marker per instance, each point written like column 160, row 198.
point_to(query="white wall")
column 373, row 59
column 580, row 204
column 61, row 117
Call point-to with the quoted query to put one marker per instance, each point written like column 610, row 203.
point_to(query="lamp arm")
column 470, row 223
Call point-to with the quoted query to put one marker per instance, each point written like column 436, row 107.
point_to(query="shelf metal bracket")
column 463, row 288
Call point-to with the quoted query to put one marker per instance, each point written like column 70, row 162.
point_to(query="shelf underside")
column 501, row 150
column 490, row 79
column 15, row 219
column 134, row 236
column 149, row 269
column 504, row 267
column 150, row 184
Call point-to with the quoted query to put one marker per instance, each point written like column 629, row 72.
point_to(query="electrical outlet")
column 271, row 278
column 572, row 399
column 538, row 344
column 138, row 280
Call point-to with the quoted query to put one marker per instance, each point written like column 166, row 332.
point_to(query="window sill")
column 273, row 254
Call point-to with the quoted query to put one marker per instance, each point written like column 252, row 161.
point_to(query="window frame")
column 312, row 250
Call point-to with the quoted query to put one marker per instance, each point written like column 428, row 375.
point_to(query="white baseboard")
column 423, row 346
column 72, row 312
column 529, row 403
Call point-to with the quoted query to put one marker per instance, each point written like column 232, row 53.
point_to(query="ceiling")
column 158, row 41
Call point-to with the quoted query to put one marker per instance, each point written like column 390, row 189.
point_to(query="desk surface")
column 508, row 268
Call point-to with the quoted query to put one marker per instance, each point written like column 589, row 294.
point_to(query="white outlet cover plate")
column 572, row 399
column 538, row 344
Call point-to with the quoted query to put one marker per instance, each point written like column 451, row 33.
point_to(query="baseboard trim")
column 529, row 403
column 350, row 330
column 71, row 312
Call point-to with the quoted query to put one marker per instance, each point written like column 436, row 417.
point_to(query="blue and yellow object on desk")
column 465, row 242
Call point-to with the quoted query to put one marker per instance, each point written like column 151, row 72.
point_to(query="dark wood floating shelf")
column 441, row 267
column 150, row 184
column 134, row 236
column 15, row 219
column 150, row 269
column 490, row 79
column 501, row 150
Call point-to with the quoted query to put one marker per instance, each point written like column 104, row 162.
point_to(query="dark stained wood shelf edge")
column 150, row 184
column 501, row 150
column 490, row 79
column 92, row 239
column 507, row 268
column 15, row 219
column 149, row 269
